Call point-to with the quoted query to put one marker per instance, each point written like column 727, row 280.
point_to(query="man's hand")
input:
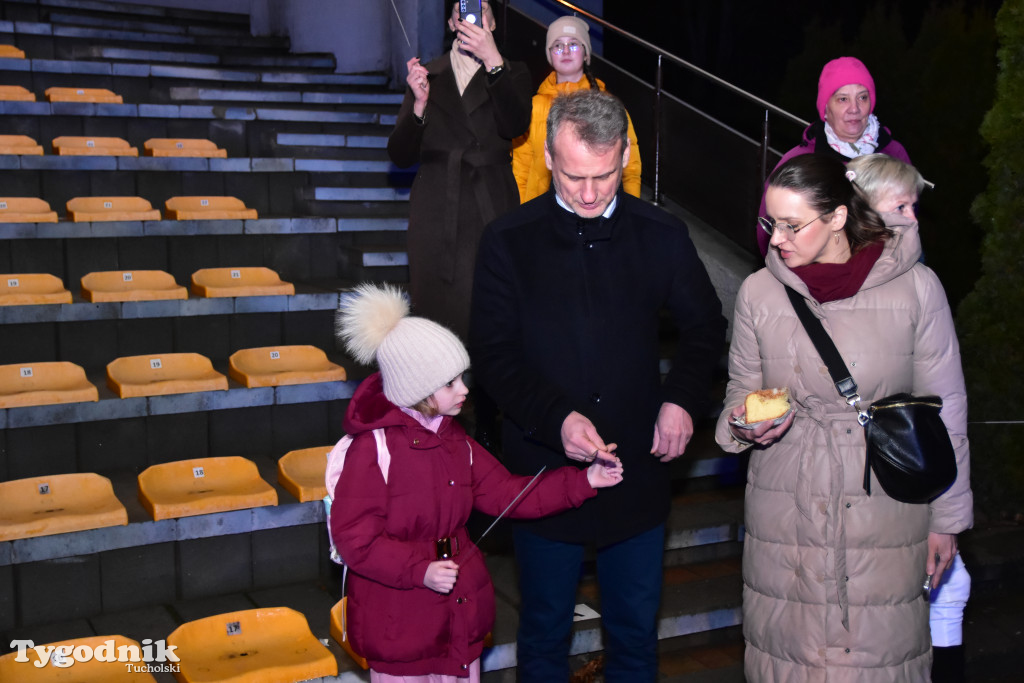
column 581, row 440
column 672, row 432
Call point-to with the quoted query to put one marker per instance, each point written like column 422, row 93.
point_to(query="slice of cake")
column 766, row 404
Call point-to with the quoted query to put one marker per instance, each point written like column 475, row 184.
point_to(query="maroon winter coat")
column 386, row 534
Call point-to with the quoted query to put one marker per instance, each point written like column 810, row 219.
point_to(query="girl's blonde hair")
column 877, row 175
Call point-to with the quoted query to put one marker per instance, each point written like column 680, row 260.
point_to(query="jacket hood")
column 370, row 409
column 899, row 255
column 552, row 88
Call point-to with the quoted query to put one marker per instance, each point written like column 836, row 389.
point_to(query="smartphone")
column 471, row 11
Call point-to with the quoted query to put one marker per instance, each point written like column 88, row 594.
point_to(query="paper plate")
column 754, row 425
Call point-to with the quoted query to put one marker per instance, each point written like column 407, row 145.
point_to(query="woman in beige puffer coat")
column 833, row 577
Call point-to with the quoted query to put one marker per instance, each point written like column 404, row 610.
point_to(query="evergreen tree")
column 991, row 317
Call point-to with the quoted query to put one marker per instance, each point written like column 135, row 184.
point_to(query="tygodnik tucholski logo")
column 152, row 656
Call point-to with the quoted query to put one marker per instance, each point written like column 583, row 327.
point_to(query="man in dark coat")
column 459, row 116
column 564, row 335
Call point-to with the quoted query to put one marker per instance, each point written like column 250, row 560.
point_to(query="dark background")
column 933, row 63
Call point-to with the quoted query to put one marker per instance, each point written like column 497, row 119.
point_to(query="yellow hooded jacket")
column 532, row 174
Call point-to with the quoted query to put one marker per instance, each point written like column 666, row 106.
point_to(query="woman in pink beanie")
column 848, row 127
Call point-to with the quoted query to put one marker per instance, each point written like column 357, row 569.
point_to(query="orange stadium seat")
column 253, row 281
column 82, row 95
column 131, row 285
column 28, row 289
column 265, row 645
column 11, row 52
column 302, row 473
column 98, row 209
column 272, row 366
column 69, row 145
column 37, row 384
column 182, row 147
column 20, row 144
column 57, row 504
column 206, row 209
column 16, row 93
column 91, row 671
column 26, row 210
column 162, row 374
column 339, row 615
column 203, row 485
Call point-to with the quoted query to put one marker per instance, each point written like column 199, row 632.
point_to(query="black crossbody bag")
column 908, row 446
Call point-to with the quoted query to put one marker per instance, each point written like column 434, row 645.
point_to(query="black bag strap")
column 826, row 348
column 845, row 385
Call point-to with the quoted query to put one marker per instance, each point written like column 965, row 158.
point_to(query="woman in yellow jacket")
column 568, row 51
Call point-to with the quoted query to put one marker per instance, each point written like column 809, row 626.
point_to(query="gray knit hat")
column 416, row 356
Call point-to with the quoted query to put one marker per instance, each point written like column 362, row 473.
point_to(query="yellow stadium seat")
column 98, row 209
column 37, row 384
column 339, row 631
column 161, row 374
column 272, row 366
column 302, row 472
column 203, row 485
column 265, row 645
column 58, row 504
column 26, row 210
column 82, row 95
column 27, row 289
column 255, row 281
column 20, row 144
column 206, row 209
column 11, row 52
column 16, row 93
column 182, row 147
column 92, row 671
column 69, row 145
column 131, row 285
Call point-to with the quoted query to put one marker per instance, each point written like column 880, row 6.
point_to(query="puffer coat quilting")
column 832, row 577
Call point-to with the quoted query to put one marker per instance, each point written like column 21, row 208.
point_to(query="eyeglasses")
column 559, row 48
column 788, row 231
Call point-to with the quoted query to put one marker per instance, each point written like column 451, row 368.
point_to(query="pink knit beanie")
column 839, row 72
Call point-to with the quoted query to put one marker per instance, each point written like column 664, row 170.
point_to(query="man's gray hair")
column 598, row 119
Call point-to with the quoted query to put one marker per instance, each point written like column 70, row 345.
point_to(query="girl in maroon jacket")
column 420, row 598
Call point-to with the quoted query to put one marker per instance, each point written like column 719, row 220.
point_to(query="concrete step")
column 292, row 96
column 225, row 20
column 137, row 69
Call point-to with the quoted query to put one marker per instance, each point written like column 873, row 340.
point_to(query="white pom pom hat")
column 416, row 356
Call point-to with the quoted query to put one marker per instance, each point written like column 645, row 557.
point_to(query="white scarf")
column 867, row 143
column 464, row 65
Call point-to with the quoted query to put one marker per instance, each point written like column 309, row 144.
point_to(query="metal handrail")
column 679, row 61
column 663, row 54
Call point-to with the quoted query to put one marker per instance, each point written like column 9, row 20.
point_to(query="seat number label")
column 234, row 628
column 126, row 277
column 44, row 489
column 236, row 274
column 155, row 364
column 198, row 473
column 26, row 372
column 13, row 282
column 275, row 355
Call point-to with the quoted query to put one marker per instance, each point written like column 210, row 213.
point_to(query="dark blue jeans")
column 629, row 576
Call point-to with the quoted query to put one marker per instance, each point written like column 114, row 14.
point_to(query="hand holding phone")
column 471, row 11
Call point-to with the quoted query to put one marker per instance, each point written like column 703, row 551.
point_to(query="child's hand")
column 441, row 576
column 601, row 474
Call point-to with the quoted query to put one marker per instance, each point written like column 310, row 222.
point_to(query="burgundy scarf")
column 834, row 281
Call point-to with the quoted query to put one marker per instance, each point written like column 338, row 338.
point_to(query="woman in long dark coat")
column 460, row 114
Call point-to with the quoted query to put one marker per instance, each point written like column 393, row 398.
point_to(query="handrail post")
column 764, row 151
column 657, row 134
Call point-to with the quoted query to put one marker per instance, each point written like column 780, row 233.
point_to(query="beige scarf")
column 464, row 66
